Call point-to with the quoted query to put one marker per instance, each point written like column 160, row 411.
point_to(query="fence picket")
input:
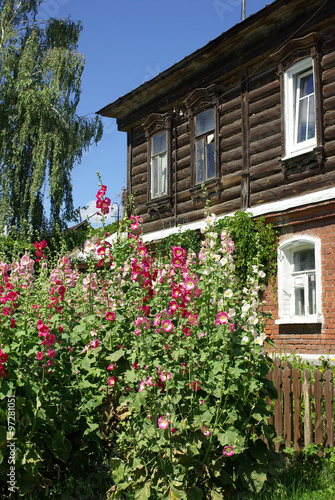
column 307, row 392
column 329, row 391
column 287, row 392
column 297, row 410
column 277, row 380
column 318, row 425
column 294, row 393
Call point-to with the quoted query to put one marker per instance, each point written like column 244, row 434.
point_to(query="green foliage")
column 163, row 357
column 41, row 136
column 252, row 237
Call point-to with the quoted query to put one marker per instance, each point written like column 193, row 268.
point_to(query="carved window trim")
column 292, row 53
column 198, row 101
column 155, row 124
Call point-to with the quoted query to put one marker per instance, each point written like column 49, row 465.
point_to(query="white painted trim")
column 266, row 208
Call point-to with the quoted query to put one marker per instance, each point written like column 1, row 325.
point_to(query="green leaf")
column 143, row 493
column 116, row 355
column 61, row 447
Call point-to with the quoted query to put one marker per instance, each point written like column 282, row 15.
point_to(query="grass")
column 311, row 478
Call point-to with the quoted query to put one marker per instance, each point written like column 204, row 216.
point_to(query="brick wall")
column 307, row 338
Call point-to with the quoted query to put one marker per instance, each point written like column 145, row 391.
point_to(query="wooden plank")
column 272, row 153
column 297, row 410
column 287, row 403
column 277, row 381
column 265, row 116
column 262, row 169
column 328, row 91
column 328, row 61
column 329, row 421
column 264, row 130
column 268, row 102
column 264, row 91
column 318, row 407
column 230, row 128
column 266, row 143
column 307, row 394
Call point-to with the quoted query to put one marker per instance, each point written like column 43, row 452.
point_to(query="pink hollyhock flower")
column 178, row 262
column 3, row 356
column 135, row 365
column 221, row 319
column 110, row 316
column 110, row 367
column 51, row 353
column 165, row 376
column 39, row 355
column 142, row 386
column 178, row 251
column 176, row 292
column 167, row 325
column 163, row 422
column 232, row 327
column 189, row 284
column 228, row 451
column 61, row 290
column 173, row 430
column 12, row 323
column 111, row 381
column 173, row 306
column 2, row 370
column 137, row 332
column 101, row 250
column 193, row 318
column 205, row 430
column 196, row 385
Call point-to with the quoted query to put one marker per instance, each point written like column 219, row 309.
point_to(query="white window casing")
column 299, row 281
column 299, row 108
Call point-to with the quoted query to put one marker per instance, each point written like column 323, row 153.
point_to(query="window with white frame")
column 205, row 146
column 300, row 115
column 299, row 281
column 159, row 165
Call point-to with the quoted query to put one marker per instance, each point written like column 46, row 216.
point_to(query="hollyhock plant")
column 152, row 323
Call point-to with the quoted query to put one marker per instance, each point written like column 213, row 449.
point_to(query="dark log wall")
column 251, row 170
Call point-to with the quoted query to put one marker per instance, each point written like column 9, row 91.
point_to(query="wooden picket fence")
column 303, row 411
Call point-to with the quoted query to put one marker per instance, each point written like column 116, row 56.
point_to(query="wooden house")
column 252, row 116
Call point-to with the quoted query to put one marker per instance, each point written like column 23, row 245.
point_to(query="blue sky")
column 125, row 43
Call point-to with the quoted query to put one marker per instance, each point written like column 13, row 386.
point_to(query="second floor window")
column 158, row 165
column 300, row 116
column 205, row 146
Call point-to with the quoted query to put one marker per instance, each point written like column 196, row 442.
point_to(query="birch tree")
column 41, row 136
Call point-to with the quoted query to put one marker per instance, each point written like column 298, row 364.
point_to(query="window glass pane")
column 306, row 85
column 210, row 152
column 164, row 174
column 305, row 107
column 302, row 120
column 154, row 177
column 299, row 296
column 311, row 294
column 158, row 143
column 204, row 122
column 311, row 118
column 200, row 161
column 304, row 260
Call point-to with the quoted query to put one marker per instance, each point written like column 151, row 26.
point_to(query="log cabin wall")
column 251, row 146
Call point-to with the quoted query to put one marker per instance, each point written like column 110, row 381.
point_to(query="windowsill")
column 300, row 320
column 299, row 152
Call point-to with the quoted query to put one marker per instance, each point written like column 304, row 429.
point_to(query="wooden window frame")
column 201, row 100
column 155, row 124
